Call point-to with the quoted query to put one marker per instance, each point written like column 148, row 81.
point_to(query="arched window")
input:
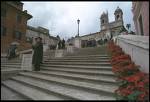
column 103, row 21
column 117, row 17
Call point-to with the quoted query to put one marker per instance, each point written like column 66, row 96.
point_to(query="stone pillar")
column 45, row 47
column 70, row 49
column 27, row 62
column 77, row 42
column 60, row 53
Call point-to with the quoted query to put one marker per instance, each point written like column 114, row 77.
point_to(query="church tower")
column 118, row 14
column 104, row 20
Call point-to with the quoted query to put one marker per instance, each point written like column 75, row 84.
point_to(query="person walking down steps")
column 38, row 54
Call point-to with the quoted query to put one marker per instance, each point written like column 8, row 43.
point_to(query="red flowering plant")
column 121, row 57
column 134, row 84
column 125, row 69
column 135, row 87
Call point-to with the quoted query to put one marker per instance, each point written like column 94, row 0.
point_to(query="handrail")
column 140, row 41
column 25, row 51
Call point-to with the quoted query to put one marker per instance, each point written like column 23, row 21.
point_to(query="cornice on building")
column 16, row 4
column 10, row 4
column 53, row 37
column 91, row 34
column 36, row 30
column 41, row 32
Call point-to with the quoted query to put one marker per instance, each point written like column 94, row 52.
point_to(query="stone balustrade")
column 137, row 47
column 70, row 49
column 27, row 60
column 60, row 52
column 77, row 42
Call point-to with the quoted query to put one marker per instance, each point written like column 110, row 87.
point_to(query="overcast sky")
column 61, row 17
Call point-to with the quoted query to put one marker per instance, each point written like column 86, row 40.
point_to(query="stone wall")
column 141, row 8
column 137, row 47
column 145, row 15
column 9, row 22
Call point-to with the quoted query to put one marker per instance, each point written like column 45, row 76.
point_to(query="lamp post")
column 78, row 21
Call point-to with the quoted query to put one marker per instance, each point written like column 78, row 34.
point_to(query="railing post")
column 27, row 61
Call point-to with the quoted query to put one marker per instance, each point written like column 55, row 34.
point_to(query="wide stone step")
column 79, row 67
column 91, row 50
column 98, row 88
column 85, row 53
column 61, row 89
column 80, row 77
column 14, row 60
column 10, row 66
column 30, row 92
column 88, row 56
column 9, row 72
column 74, row 60
column 8, row 94
column 105, row 73
column 10, row 63
column 80, row 63
column 79, row 70
column 79, row 58
column 10, row 69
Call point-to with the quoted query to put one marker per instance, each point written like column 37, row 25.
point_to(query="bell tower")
column 104, row 20
column 118, row 14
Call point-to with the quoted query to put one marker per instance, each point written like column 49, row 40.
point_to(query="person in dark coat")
column 63, row 44
column 59, row 44
column 38, row 54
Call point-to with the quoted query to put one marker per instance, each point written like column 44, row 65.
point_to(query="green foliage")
column 134, row 95
column 123, row 83
column 119, row 97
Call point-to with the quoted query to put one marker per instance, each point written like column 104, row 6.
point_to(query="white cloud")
column 61, row 17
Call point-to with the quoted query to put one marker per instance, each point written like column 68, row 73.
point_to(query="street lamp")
column 78, row 21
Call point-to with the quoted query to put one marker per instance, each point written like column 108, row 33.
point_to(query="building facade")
column 141, row 17
column 137, row 46
column 33, row 33
column 108, row 30
column 47, row 40
column 13, row 25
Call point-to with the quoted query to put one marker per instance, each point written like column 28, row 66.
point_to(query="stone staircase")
column 85, row 75
column 10, row 68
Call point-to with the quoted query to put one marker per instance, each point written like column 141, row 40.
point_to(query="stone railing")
column 3, row 57
column 70, row 49
column 77, row 42
column 20, row 53
column 26, row 57
column 137, row 47
column 62, row 52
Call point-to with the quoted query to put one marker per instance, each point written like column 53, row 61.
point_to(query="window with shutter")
column 3, row 12
column 3, row 31
column 18, row 18
column 17, row 35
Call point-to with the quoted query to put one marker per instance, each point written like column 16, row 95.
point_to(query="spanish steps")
column 85, row 75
